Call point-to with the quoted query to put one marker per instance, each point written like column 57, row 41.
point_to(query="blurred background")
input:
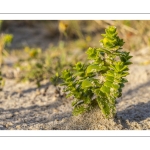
column 40, row 49
column 82, row 33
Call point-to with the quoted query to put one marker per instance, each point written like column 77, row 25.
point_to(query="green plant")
column 5, row 39
column 32, row 67
column 40, row 65
column 101, row 80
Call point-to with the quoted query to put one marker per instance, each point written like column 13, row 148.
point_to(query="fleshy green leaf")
column 108, row 83
column 102, row 103
column 87, row 83
column 79, row 110
column 115, row 86
column 105, row 89
column 93, row 68
column 110, row 78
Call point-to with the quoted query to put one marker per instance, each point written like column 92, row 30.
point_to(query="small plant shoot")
column 100, row 81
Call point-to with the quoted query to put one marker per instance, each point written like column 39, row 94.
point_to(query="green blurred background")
column 41, row 49
column 78, row 33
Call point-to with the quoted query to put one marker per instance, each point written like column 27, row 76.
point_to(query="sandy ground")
column 23, row 107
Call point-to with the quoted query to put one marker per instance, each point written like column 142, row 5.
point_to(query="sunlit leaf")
column 105, row 89
column 87, row 83
column 93, row 68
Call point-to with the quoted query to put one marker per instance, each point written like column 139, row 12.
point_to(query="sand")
column 24, row 107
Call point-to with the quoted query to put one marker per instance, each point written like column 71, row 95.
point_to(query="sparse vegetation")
column 41, row 65
column 5, row 39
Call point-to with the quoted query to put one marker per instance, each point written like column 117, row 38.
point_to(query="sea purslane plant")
column 100, row 81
